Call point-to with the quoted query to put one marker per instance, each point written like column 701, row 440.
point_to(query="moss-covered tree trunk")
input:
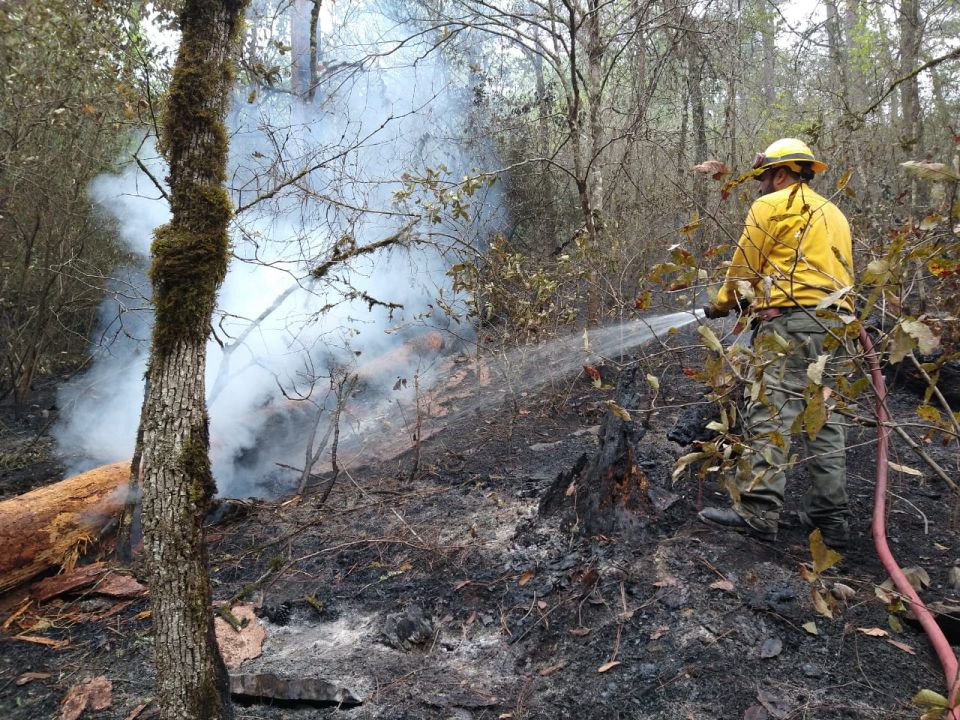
column 189, row 263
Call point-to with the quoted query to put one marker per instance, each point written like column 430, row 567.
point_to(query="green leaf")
column 931, row 699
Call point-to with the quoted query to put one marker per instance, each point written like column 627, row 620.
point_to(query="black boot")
column 835, row 534
column 730, row 518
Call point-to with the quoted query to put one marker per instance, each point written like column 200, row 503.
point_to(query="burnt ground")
column 524, row 611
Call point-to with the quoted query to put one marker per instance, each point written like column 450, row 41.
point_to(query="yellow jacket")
column 793, row 251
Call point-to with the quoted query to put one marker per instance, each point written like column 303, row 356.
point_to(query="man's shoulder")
column 773, row 203
column 795, row 198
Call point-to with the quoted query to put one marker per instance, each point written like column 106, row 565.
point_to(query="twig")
column 517, row 638
column 146, row 171
column 941, row 473
column 417, row 427
column 232, row 620
column 926, row 523
column 399, row 516
column 936, row 391
column 343, row 391
column 952, row 55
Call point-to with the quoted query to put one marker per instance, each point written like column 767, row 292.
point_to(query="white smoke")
column 373, row 119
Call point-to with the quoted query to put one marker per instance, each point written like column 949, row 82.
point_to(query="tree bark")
column 769, row 33
column 300, row 48
column 189, row 262
column 314, row 50
column 911, row 128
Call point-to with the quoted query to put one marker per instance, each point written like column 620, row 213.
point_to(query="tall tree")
column 189, row 262
column 911, row 127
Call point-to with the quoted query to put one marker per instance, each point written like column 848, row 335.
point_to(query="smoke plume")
column 381, row 111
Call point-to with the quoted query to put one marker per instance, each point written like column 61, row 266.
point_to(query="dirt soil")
column 514, row 615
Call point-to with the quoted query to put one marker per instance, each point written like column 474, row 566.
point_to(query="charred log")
column 612, row 491
column 691, row 423
column 290, row 692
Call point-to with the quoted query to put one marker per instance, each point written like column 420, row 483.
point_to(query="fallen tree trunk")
column 46, row 527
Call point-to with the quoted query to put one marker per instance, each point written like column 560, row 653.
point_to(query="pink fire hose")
column 941, row 646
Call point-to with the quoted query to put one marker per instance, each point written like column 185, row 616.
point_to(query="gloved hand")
column 713, row 312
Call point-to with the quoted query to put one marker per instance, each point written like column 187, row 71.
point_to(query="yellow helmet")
column 789, row 152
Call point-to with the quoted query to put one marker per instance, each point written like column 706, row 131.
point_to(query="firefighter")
column 793, row 264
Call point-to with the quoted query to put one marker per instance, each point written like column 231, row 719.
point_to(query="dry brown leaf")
column 659, row 632
column 95, row 694
column 820, row 603
column 471, row 618
column 608, row 665
column 811, row 627
column 903, row 646
column 669, row 581
column 143, row 615
column 237, row 647
column 824, row 558
column 918, row 577
column 29, row 677
column 548, row 671
column 873, row 631
column 724, row 585
column 886, row 593
column 571, row 489
column 579, row 631
column 461, row 584
column 542, row 604
column 843, row 592
column 716, row 169
column 526, row 577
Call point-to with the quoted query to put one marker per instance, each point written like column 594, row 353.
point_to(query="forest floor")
column 522, row 616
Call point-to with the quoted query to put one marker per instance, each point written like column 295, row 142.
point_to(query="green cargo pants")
column 767, row 424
